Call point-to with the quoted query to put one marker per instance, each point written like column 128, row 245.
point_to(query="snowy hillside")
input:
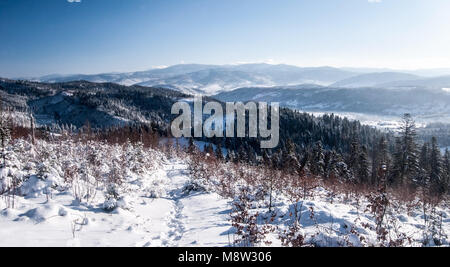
column 212, row 79
column 172, row 219
column 374, row 79
column 434, row 83
column 75, row 103
column 57, row 207
column 89, row 193
column 429, row 104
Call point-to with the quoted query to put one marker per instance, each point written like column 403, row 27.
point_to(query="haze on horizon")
column 92, row 36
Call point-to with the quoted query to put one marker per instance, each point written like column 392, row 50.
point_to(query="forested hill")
column 305, row 130
column 109, row 104
column 326, row 146
column 100, row 104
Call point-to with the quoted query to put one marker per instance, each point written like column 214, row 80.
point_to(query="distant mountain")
column 431, row 72
column 369, row 70
column 231, row 77
column 374, row 79
column 436, row 83
column 126, row 78
column 368, row 100
column 290, row 75
column 419, row 72
column 212, row 79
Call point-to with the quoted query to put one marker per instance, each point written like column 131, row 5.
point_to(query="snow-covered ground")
column 160, row 200
column 175, row 219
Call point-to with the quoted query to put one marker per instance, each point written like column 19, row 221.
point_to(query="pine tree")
column 375, row 165
column 406, row 155
column 266, row 158
column 242, row 156
column 33, row 131
column 328, row 160
column 251, row 155
column 5, row 134
column 446, row 171
column 191, row 149
column 363, row 166
column 317, row 164
column 276, row 160
column 424, row 163
column 219, row 154
column 269, row 175
column 409, row 140
column 381, row 163
column 436, row 170
column 398, row 164
column 332, row 162
column 353, row 158
column 352, row 161
column 289, row 160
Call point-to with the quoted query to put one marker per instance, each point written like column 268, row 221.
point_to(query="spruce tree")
column 446, row 172
column 317, row 164
column 5, row 134
column 266, row 158
column 289, row 160
column 406, row 156
column 424, row 163
column 191, row 149
column 242, row 155
column 219, row 154
column 353, row 157
column 363, row 166
column 382, row 167
column 333, row 165
column 436, row 170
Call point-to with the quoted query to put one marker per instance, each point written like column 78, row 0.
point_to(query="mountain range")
column 379, row 92
column 214, row 79
column 432, row 105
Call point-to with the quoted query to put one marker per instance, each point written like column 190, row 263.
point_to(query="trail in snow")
column 196, row 219
column 178, row 219
column 177, row 179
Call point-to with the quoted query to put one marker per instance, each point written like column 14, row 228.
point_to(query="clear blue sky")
column 40, row 37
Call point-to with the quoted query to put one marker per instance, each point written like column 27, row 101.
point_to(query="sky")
column 39, row 37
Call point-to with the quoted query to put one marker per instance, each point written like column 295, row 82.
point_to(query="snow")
column 206, row 217
column 162, row 203
column 175, row 220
